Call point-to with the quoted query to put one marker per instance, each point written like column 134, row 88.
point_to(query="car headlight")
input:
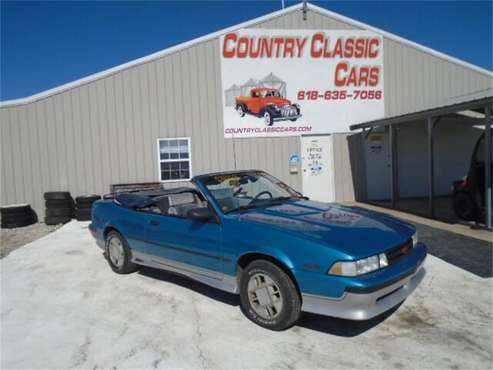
column 415, row 239
column 359, row 267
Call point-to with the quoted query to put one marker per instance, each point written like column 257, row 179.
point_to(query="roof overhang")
column 472, row 105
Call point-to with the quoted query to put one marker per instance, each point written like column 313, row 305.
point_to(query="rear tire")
column 464, row 206
column 118, row 254
column 269, row 296
column 240, row 110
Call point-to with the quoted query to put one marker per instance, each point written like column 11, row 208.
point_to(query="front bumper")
column 364, row 306
column 286, row 118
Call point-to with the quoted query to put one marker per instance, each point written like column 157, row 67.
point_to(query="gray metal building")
column 103, row 129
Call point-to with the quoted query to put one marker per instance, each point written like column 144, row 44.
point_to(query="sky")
column 47, row 44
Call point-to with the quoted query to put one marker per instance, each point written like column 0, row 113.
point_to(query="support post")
column 392, row 165
column 431, row 170
column 487, row 166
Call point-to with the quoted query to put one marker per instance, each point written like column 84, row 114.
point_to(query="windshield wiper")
column 247, row 206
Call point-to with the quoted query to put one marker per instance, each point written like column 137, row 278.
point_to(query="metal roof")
column 208, row 37
column 434, row 112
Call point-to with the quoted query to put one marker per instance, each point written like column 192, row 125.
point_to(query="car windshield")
column 272, row 93
column 245, row 190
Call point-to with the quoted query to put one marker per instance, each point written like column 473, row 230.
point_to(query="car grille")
column 289, row 111
column 397, row 253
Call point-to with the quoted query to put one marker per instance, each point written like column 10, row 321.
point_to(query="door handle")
column 154, row 222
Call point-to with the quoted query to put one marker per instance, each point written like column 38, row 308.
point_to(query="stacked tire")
column 84, row 206
column 17, row 215
column 59, row 207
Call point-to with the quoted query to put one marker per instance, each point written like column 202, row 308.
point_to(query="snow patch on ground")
column 62, row 307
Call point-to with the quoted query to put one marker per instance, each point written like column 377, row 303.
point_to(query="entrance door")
column 377, row 166
column 317, row 163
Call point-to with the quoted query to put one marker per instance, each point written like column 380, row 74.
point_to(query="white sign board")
column 299, row 82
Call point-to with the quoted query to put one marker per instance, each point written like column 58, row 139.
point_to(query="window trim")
column 189, row 159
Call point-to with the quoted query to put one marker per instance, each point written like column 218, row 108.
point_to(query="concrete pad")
column 62, row 307
column 458, row 228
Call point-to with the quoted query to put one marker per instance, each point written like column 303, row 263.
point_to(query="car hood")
column 280, row 102
column 354, row 231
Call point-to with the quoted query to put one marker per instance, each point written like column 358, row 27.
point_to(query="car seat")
column 180, row 204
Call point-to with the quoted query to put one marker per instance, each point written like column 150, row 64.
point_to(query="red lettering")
column 341, row 68
column 227, row 52
column 315, row 49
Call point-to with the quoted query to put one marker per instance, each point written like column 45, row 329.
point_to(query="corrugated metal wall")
column 105, row 131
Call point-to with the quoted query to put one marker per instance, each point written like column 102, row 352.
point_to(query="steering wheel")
column 256, row 197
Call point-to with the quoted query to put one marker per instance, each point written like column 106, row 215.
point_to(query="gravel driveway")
column 62, row 307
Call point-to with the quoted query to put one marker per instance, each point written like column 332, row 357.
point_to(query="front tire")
column 269, row 296
column 268, row 119
column 118, row 254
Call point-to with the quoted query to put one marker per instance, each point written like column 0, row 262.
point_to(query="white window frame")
column 189, row 159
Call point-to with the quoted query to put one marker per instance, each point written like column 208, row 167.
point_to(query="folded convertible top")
column 145, row 198
column 131, row 200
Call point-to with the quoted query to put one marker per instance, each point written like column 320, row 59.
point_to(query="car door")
column 185, row 244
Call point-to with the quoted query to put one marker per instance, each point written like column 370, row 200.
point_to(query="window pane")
column 183, row 146
column 163, row 145
column 174, row 155
column 165, row 166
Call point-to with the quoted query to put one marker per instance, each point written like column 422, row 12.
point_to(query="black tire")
column 20, row 221
column 67, row 212
column 57, row 195
column 128, row 266
column 269, row 121
column 465, row 207
column 60, row 203
column 15, row 210
column 291, row 301
column 20, row 217
column 86, row 200
column 82, row 215
column 241, row 110
column 56, row 220
column 85, row 206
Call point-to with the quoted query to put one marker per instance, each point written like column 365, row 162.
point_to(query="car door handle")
column 154, row 222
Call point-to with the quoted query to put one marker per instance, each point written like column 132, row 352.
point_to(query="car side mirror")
column 202, row 214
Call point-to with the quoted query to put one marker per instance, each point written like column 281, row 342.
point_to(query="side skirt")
column 208, row 277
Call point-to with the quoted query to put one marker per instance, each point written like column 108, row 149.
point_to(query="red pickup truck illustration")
column 268, row 104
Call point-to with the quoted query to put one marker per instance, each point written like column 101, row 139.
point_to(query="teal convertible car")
column 250, row 234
